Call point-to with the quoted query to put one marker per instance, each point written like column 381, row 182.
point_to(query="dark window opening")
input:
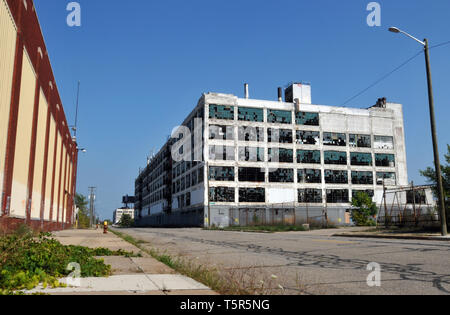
column 417, row 197
column 385, row 160
column 336, row 158
column 361, row 159
column 281, row 175
column 308, row 137
column 250, row 114
column 360, row 141
column 337, row 196
column 251, row 174
column 362, row 178
column 334, row 139
column 309, row 176
column 310, row 196
column 307, row 119
column 308, row 157
column 221, row 112
column 279, row 116
column 336, row 177
column 221, row 173
column 252, row 195
column 221, row 194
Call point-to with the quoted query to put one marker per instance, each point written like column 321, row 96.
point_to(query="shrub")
column 365, row 210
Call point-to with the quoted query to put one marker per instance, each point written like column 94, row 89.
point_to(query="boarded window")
column 221, row 112
column 251, row 154
column 255, row 134
column 335, row 139
column 361, row 159
column 336, row 177
column 281, row 155
column 251, row 114
column 281, row 175
column 252, row 195
column 251, row 174
column 362, row 178
column 383, row 142
column 360, row 141
column 308, row 137
column 389, row 179
column 310, row 196
column 308, row 157
column 335, row 157
column 221, row 173
column 309, row 176
column 307, row 119
column 337, row 196
column 221, row 153
column 221, row 132
column 279, row 135
column 385, row 160
column 221, row 194
column 279, row 116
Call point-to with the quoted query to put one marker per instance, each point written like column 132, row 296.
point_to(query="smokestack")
column 246, row 91
column 280, row 94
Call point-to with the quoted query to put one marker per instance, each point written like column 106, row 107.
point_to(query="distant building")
column 120, row 212
column 238, row 161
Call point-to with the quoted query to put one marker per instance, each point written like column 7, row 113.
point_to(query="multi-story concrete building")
column 38, row 156
column 119, row 213
column 240, row 161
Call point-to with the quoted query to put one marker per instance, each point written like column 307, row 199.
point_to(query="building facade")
column 120, row 212
column 238, row 161
column 38, row 156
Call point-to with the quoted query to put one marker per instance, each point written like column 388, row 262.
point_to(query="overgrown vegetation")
column 83, row 213
column 26, row 260
column 365, row 210
column 126, row 221
column 430, row 175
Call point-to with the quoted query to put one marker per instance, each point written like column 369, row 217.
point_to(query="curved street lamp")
column 437, row 163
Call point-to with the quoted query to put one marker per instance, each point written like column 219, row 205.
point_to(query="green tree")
column 126, row 221
column 430, row 175
column 83, row 213
column 365, row 210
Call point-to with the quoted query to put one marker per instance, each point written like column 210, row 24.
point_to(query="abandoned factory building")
column 238, row 161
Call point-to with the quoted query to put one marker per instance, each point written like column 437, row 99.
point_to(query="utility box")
column 300, row 91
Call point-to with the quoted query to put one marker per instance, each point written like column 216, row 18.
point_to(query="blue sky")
column 143, row 65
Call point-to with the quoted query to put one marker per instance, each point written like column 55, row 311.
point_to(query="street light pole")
column 437, row 163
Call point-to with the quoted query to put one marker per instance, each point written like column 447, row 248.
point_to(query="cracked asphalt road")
column 312, row 262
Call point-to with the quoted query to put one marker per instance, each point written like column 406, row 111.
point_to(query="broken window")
column 308, row 137
column 281, row 175
column 251, row 154
column 389, row 179
column 309, row 176
column 255, row 134
column 251, row 174
column 336, row 158
column 383, row 142
column 369, row 192
column 336, row 177
column 201, row 174
column 221, row 194
column 308, row 157
column 183, row 184
column 362, row 178
column 360, row 141
column 188, row 181
column 336, row 139
column 251, row 114
column 337, row 196
column 279, row 116
column 307, row 119
column 310, row 196
column 188, row 199
column 221, row 112
column 385, row 160
column 221, row 173
column 221, row 153
column 221, row 132
column 417, row 197
column 252, row 195
column 279, row 135
column 281, row 155
column 178, row 187
column 194, row 178
column 361, row 159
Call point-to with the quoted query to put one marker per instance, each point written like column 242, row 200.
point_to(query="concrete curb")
column 395, row 237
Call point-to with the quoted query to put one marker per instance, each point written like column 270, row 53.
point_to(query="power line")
column 383, row 78
column 439, row 45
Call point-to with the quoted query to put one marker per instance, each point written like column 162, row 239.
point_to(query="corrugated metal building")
column 38, row 156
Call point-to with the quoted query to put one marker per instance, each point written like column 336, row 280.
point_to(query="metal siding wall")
column 39, row 160
column 23, row 140
column 8, row 37
column 48, row 184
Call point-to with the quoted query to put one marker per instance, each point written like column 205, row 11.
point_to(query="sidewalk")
column 131, row 276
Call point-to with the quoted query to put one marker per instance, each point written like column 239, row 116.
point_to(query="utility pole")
column 92, row 205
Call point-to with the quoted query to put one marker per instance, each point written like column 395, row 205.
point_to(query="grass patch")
column 26, row 260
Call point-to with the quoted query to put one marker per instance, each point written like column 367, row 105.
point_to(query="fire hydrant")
column 105, row 228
